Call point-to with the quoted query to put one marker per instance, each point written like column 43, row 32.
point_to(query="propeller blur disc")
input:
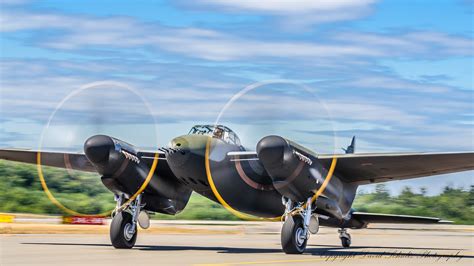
column 109, row 108
column 279, row 107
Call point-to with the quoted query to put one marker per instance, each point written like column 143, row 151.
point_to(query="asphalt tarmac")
column 189, row 243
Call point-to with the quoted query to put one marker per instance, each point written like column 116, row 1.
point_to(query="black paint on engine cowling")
column 123, row 172
column 297, row 173
column 289, row 170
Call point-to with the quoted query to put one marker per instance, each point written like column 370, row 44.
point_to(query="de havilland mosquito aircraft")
column 280, row 180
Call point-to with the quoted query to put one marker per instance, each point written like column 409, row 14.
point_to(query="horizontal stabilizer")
column 366, row 218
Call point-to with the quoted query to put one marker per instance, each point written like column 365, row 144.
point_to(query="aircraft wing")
column 75, row 161
column 243, row 155
column 383, row 167
column 369, row 168
column 150, row 155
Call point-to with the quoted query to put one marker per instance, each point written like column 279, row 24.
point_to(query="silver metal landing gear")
column 119, row 200
column 299, row 223
column 345, row 237
column 123, row 229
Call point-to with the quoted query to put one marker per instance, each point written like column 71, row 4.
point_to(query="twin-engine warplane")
column 280, row 180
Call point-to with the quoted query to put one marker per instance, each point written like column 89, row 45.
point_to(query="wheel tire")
column 290, row 242
column 120, row 222
column 346, row 242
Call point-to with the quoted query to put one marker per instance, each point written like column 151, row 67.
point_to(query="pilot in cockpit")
column 218, row 133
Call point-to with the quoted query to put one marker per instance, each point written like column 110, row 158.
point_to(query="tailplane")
column 366, row 218
column 350, row 148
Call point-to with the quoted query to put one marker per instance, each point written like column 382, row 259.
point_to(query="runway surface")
column 183, row 243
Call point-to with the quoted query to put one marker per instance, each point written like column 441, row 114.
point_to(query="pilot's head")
column 218, row 133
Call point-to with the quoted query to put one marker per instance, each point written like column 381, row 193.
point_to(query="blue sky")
column 398, row 74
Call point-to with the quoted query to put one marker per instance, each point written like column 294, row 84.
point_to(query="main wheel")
column 120, row 231
column 293, row 238
column 346, row 242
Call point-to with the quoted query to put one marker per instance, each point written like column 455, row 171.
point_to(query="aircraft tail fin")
column 351, row 147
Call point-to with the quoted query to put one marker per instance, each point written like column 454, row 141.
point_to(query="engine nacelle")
column 124, row 172
column 288, row 167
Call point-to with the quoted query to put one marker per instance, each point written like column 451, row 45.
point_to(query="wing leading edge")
column 366, row 168
column 75, row 161
column 383, row 167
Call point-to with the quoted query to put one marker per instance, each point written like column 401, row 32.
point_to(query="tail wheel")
column 293, row 237
column 346, row 242
column 121, row 234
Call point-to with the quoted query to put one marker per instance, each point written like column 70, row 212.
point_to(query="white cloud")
column 422, row 43
column 297, row 14
column 83, row 32
column 385, row 82
column 14, row 21
column 289, row 6
column 194, row 42
column 361, row 110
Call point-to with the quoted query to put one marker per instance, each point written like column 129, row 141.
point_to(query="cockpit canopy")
column 216, row 131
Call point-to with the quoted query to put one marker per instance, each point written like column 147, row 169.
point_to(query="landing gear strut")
column 345, row 237
column 296, row 228
column 123, row 229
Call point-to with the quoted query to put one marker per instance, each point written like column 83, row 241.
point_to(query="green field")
column 21, row 192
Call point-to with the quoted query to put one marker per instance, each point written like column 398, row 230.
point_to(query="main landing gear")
column 124, row 228
column 293, row 237
column 299, row 223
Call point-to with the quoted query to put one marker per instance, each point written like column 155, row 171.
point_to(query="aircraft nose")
column 97, row 148
column 180, row 143
column 271, row 150
column 185, row 147
column 179, row 153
